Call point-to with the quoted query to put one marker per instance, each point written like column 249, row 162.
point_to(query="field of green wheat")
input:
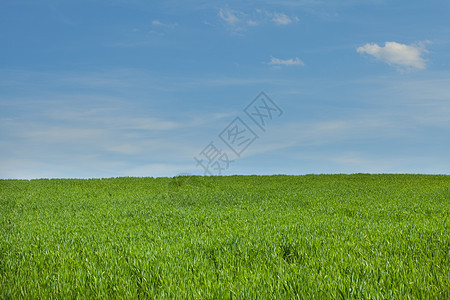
column 247, row 237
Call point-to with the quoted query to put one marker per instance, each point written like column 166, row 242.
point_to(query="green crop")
column 267, row 237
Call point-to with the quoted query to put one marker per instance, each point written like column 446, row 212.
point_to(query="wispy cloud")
column 163, row 24
column 229, row 16
column 239, row 20
column 394, row 53
column 286, row 62
column 160, row 169
column 282, row 19
column 77, row 131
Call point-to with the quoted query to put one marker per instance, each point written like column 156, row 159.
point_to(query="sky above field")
column 158, row 88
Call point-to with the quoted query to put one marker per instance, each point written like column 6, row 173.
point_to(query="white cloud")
column 229, row 16
column 252, row 23
column 240, row 20
column 281, row 19
column 395, row 53
column 286, row 62
column 158, row 23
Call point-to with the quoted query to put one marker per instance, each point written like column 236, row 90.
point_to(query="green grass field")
column 309, row 237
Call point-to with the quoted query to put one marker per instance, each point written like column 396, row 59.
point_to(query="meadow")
column 354, row 236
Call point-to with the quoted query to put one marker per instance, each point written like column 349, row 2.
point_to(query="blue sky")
column 141, row 88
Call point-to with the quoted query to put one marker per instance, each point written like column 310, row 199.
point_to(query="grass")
column 315, row 236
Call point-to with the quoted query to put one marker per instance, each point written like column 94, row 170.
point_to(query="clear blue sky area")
column 158, row 88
